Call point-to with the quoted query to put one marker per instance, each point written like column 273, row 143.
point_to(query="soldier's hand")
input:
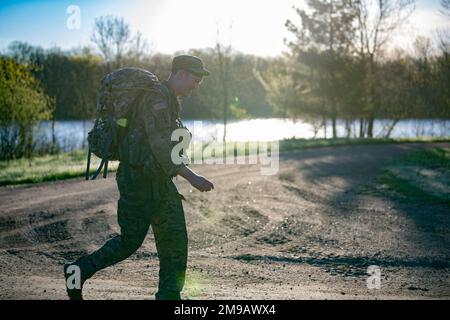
column 201, row 183
column 197, row 181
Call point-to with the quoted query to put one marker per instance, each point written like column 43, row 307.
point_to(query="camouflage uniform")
column 148, row 196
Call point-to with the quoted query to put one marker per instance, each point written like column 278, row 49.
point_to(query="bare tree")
column 113, row 37
column 422, row 47
column 138, row 47
column 376, row 23
column 223, row 54
column 445, row 7
column 444, row 41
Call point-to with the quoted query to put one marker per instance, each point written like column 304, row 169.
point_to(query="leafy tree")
column 22, row 104
column 85, row 76
column 236, row 110
column 321, row 43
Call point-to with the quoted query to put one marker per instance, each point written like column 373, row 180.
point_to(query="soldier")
column 148, row 196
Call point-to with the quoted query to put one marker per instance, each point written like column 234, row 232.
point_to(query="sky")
column 250, row 26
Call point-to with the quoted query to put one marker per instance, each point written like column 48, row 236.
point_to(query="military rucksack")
column 119, row 92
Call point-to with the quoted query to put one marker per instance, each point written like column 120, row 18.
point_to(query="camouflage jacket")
column 148, row 140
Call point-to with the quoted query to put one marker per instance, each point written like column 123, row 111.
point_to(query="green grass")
column 402, row 179
column 298, row 144
column 47, row 168
column 437, row 158
column 73, row 164
column 242, row 148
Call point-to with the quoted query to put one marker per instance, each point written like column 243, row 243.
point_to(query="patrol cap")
column 191, row 64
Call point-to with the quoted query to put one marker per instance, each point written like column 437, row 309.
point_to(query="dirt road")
column 305, row 233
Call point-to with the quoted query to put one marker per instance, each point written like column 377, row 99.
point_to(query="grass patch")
column 298, row 144
column 73, row 164
column 47, row 168
column 437, row 158
column 422, row 176
column 405, row 190
column 243, row 148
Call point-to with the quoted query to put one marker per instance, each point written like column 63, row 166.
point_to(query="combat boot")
column 73, row 293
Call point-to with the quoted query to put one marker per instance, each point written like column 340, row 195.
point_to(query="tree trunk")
column 225, row 110
column 391, row 127
column 4, row 143
column 333, row 121
column 372, row 97
column 224, row 130
column 84, row 134
column 223, row 72
column 29, row 141
column 370, row 126
column 53, row 146
column 334, row 117
column 348, row 128
column 21, row 147
column 361, row 128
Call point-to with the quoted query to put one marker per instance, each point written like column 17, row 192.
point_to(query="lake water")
column 70, row 135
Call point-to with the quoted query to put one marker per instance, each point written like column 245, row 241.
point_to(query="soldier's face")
column 189, row 83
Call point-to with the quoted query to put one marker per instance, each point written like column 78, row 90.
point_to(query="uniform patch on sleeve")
column 159, row 106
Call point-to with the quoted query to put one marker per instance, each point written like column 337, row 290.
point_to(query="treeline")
column 72, row 79
column 22, row 104
column 52, row 84
column 339, row 67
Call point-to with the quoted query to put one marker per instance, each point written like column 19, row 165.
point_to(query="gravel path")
column 305, row 233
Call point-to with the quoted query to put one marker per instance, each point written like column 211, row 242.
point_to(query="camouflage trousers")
column 146, row 202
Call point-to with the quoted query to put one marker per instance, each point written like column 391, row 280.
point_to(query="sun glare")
column 250, row 26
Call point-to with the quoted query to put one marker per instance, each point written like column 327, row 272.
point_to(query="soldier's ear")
column 177, row 73
column 183, row 74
